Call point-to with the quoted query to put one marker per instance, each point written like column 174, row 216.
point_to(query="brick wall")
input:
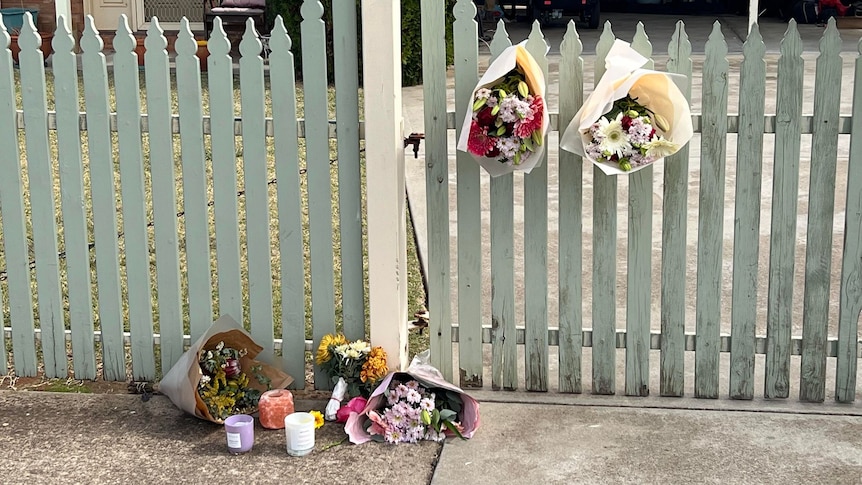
column 46, row 21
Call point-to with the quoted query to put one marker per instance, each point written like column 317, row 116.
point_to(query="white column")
column 753, row 13
column 384, row 160
column 63, row 11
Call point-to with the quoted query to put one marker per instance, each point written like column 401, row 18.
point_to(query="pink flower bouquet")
column 415, row 405
column 505, row 128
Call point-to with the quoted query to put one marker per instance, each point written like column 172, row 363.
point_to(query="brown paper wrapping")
column 180, row 384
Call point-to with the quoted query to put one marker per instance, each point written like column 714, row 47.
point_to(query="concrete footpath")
column 548, row 444
column 524, row 438
column 66, row 438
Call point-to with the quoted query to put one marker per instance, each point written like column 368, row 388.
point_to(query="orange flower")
column 374, row 367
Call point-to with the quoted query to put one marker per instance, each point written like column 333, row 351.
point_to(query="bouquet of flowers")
column 626, row 136
column 224, row 387
column 633, row 117
column 414, row 405
column 413, row 413
column 505, row 129
column 218, row 376
column 357, row 363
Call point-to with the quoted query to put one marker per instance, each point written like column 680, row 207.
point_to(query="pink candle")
column 274, row 406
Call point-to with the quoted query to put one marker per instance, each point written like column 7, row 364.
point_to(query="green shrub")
column 411, row 35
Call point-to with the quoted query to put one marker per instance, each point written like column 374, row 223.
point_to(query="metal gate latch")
column 414, row 139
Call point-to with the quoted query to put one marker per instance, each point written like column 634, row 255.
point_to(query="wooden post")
column 384, row 158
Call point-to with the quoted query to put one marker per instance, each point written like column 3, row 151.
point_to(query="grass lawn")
column 416, row 294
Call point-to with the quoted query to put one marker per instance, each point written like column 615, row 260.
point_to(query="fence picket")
column 254, row 165
column 469, row 204
column 504, row 352
column 7, row 112
column 102, row 183
column 196, row 220
column 746, row 231
column 821, row 205
column 674, row 230
column 437, row 184
column 785, row 192
column 318, row 176
column 536, row 248
column 571, row 213
column 851, row 268
column 711, row 217
column 14, row 226
column 639, row 277
column 163, row 174
column 220, row 83
column 604, row 257
column 42, row 203
column 349, row 178
column 292, row 282
column 135, row 239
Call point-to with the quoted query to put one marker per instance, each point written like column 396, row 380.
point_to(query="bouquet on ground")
column 634, row 117
column 224, row 388
column 415, row 405
column 355, row 368
column 218, row 376
column 505, row 128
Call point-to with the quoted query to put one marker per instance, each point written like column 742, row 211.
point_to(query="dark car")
column 550, row 10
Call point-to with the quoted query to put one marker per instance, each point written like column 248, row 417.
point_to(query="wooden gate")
column 727, row 295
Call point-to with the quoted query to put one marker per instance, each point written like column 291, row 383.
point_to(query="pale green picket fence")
column 657, row 297
column 93, row 151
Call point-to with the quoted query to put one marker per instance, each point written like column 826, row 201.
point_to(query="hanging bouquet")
column 218, row 376
column 627, row 136
column 634, row 117
column 415, row 405
column 506, row 125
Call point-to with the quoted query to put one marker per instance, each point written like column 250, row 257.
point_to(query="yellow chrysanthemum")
column 328, row 340
column 318, row 418
column 374, row 367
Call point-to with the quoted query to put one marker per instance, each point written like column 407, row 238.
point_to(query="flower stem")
column 333, row 444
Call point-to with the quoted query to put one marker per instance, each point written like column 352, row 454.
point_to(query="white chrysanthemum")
column 352, row 354
column 615, row 140
column 660, row 148
column 361, row 346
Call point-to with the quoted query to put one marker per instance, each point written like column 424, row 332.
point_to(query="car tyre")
column 594, row 16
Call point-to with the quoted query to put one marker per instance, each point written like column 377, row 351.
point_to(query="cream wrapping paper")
column 512, row 57
column 657, row 91
column 180, row 384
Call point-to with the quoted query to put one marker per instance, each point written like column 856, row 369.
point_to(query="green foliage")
column 411, row 40
column 74, row 387
column 411, row 35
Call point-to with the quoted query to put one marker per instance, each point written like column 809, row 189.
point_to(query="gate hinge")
column 414, row 139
